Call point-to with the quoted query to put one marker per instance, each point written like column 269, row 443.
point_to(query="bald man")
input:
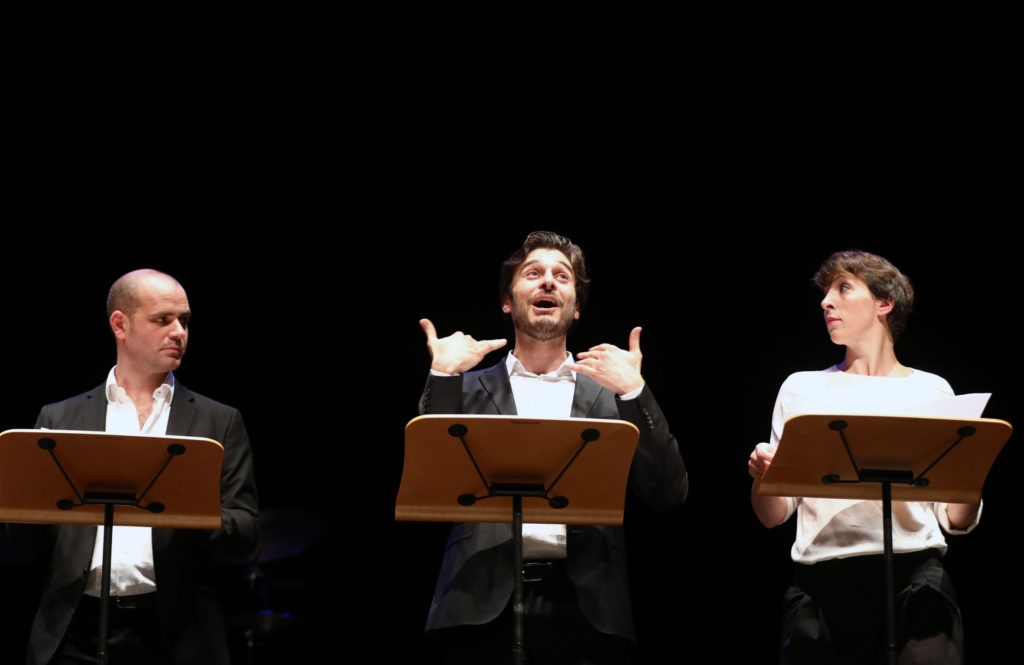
column 164, row 602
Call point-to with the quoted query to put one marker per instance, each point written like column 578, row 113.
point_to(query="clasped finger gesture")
column 616, row 369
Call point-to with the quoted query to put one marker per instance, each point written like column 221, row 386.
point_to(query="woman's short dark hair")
column 546, row 240
column 884, row 280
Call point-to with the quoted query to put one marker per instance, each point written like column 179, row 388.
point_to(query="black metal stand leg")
column 890, row 595
column 108, row 539
column 517, row 491
column 518, row 640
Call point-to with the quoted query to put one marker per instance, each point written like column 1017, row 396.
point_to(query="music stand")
column 911, row 458
column 93, row 478
column 473, row 468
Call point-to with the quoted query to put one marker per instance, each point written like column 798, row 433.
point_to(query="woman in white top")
column 833, row 612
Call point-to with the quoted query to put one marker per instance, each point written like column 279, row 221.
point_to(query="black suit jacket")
column 476, row 576
column 190, row 612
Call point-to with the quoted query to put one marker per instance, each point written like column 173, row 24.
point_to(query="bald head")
column 124, row 294
column 149, row 316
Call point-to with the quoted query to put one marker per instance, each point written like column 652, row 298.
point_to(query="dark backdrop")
column 320, row 180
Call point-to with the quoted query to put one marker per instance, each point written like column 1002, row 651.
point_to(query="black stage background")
column 319, row 181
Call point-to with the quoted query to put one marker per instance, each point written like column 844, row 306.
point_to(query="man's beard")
column 543, row 330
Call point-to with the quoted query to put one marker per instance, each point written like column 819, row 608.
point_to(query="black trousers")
column 835, row 613
column 556, row 633
column 134, row 636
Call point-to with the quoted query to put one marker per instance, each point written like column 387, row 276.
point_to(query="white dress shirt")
column 131, row 564
column 840, row 528
column 545, row 396
column 542, row 396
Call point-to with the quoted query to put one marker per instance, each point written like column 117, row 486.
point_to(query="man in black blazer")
column 169, row 610
column 579, row 608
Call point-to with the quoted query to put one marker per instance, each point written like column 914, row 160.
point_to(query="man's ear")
column 506, row 304
column 885, row 306
column 119, row 324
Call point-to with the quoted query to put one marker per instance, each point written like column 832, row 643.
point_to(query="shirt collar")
column 515, row 368
column 117, row 395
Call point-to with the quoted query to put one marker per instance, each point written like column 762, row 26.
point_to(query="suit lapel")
column 76, row 542
column 183, row 411
column 496, row 384
column 94, row 416
column 585, row 397
column 179, row 423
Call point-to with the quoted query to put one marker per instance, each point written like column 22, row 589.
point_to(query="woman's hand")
column 760, row 460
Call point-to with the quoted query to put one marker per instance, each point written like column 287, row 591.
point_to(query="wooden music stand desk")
column 473, row 468
column 907, row 458
column 72, row 477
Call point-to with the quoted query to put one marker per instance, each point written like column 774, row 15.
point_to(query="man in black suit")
column 577, row 599
column 164, row 605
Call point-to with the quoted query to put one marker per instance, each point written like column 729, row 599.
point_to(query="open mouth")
column 545, row 302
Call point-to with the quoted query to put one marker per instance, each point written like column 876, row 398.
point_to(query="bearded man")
column 576, row 591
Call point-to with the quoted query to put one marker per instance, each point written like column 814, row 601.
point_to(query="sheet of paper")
column 960, row 406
